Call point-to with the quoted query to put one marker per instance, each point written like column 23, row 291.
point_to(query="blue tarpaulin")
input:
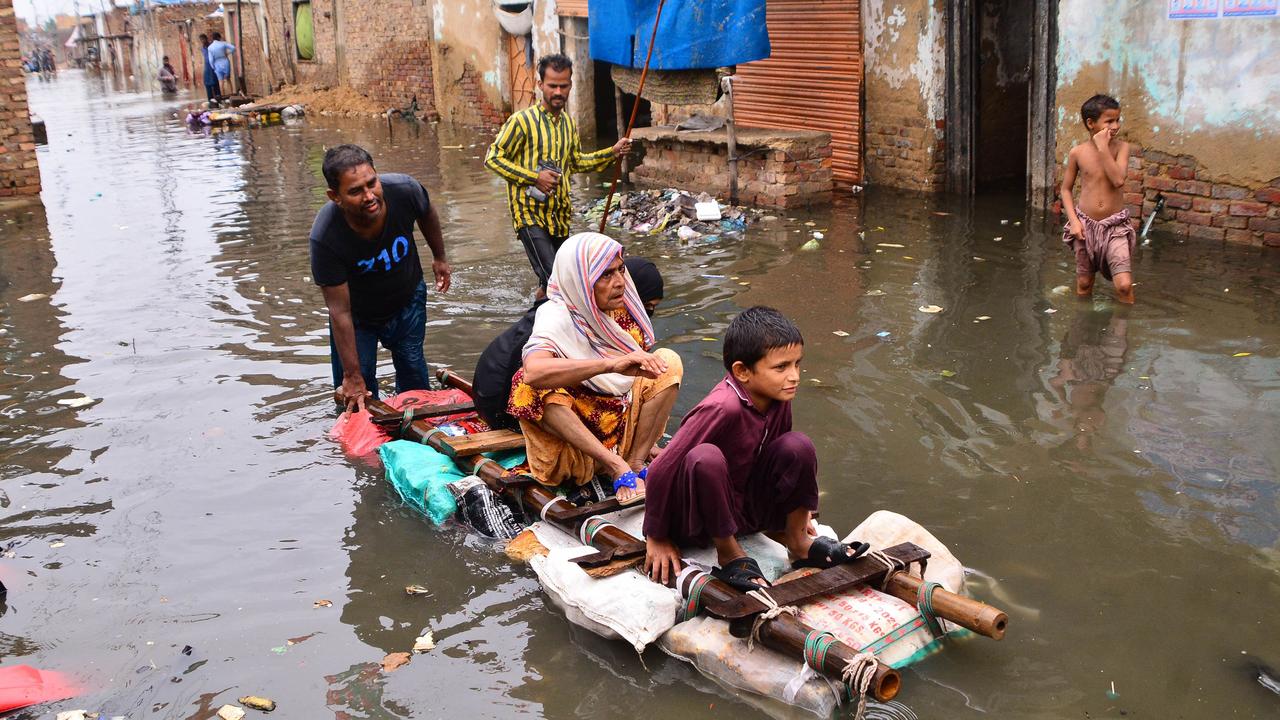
column 692, row 34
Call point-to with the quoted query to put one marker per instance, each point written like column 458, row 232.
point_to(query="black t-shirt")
column 498, row 363
column 383, row 273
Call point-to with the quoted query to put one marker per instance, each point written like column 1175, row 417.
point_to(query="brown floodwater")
column 1108, row 474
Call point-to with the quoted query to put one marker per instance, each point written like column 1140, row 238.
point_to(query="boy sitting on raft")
column 735, row 467
column 1099, row 230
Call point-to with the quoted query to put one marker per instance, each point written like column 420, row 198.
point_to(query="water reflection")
column 200, row 506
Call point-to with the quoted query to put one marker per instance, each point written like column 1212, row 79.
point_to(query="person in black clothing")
column 365, row 260
column 498, row 363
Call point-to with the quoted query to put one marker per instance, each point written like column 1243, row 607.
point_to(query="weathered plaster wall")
column 904, row 52
column 1209, row 89
column 469, row 62
column 19, row 173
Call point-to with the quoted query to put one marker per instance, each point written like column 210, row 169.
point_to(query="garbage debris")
column 930, row 309
column 840, row 333
column 394, row 660
column 416, row 590
column 76, row 402
column 258, row 703
column 231, row 712
column 32, row 296
column 77, row 715
column 1242, row 354
column 425, row 643
column 668, row 212
column 811, row 245
column 890, row 245
column 874, row 293
column 883, row 334
column 948, row 373
column 322, row 603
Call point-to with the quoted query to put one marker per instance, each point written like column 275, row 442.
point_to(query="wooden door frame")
column 1041, row 111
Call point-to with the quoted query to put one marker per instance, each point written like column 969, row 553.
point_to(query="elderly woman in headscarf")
column 591, row 398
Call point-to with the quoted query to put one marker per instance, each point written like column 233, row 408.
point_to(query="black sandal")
column 825, row 553
column 741, row 574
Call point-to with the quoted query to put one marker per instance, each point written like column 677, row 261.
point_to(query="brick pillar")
column 19, row 174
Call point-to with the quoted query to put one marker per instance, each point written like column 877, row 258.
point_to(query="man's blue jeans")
column 404, row 335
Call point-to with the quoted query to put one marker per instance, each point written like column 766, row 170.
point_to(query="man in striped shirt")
column 534, row 151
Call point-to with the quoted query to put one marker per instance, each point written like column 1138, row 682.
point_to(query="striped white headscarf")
column 569, row 325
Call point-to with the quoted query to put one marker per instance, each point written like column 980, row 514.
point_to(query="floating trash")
column 948, row 373
column 322, row 603
column 395, row 660
column 668, row 212
column 930, row 309
column 32, row 297
column 1060, row 290
column 817, row 235
column 840, row 333
column 811, row 245
column 1242, row 354
column 77, row 402
column 890, row 245
column 883, row 334
column 258, row 703
column 231, row 712
column 425, row 643
column 980, row 318
column 416, row 590
column 1050, row 311
column 873, row 293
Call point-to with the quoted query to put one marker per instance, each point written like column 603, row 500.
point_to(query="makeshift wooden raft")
column 762, row 616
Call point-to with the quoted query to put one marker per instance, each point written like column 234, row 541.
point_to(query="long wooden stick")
column 635, row 108
column 785, row 633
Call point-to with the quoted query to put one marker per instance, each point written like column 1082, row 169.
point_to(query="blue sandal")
column 629, row 479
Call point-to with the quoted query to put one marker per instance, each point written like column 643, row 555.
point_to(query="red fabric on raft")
column 22, row 686
column 358, row 434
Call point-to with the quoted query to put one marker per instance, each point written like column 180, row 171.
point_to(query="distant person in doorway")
column 168, row 78
column 211, row 88
column 220, row 55
column 1099, row 229
column 365, row 260
column 534, row 152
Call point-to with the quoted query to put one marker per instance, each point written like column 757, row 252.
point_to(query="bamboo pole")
column 965, row 612
column 784, row 633
column 635, row 108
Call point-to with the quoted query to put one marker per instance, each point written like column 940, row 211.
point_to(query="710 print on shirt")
column 399, row 250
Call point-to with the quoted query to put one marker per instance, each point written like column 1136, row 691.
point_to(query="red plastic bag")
column 359, row 436
column 23, row 685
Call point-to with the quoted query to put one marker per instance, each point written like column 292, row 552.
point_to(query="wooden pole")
column 785, row 634
column 617, row 109
column 731, row 130
column 965, row 612
column 635, row 108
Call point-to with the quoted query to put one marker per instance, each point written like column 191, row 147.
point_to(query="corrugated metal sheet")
column 571, row 8
column 813, row 79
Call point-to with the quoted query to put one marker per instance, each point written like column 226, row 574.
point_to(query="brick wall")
column 388, row 51
column 1198, row 206
column 781, row 168
column 19, row 173
column 485, row 114
column 905, row 149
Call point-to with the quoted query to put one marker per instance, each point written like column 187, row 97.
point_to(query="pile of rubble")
column 674, row 213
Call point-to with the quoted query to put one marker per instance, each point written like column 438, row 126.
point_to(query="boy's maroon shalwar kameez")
column 730, row 470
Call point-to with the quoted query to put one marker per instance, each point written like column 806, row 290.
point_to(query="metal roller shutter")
column 813, row 79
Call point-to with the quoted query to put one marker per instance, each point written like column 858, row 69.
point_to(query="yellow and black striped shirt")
column 527, row 138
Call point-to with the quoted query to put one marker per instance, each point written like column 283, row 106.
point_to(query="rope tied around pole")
column 693, row 597
column 547, row 508
column 591, row 526
column 892, row 566
column 924, row 603
column 816, row 645
column 857, row 676
column 773, row 610
column 426, row 439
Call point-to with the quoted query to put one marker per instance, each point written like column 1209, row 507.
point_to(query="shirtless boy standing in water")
column 1099, row 230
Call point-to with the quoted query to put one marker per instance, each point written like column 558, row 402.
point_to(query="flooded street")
column 1109, row 474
